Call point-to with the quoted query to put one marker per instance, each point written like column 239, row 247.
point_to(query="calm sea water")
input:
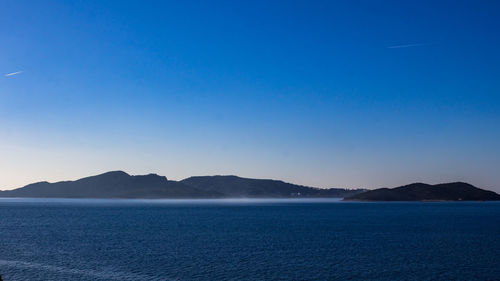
column 44, row 239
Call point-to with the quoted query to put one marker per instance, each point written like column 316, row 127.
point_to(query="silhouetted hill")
column 119, row 184
column 116, row 184
column 456, row 191
column 233, row 186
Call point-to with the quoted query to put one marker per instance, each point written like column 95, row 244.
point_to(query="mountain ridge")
column 453, row 191
column 119, row 184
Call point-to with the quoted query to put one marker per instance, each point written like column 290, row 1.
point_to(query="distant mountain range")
column 118, row 184
column 455, row 191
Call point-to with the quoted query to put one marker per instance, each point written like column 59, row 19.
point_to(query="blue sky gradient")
column 322, row 93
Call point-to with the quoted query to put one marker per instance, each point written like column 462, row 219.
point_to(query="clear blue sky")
column 329, row 94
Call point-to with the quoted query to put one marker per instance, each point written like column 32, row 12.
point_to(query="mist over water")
column 247, row 239
column 169, row 201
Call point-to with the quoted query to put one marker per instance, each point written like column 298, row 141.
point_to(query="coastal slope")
column 118, row 184
column 455, row 191
column 235, row 187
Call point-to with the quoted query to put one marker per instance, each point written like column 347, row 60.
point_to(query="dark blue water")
column 247, row 240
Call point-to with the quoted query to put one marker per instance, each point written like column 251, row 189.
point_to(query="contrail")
column 13, row 73
column 408, row 45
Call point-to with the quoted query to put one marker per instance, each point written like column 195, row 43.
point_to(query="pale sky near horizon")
column 321, row 93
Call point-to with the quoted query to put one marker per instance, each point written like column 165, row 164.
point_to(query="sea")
column 248, row 239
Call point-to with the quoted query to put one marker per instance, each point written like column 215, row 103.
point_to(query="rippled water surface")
column 51, row 239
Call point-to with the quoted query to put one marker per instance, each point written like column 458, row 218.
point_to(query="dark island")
column 118, row 184
column 456, row 191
